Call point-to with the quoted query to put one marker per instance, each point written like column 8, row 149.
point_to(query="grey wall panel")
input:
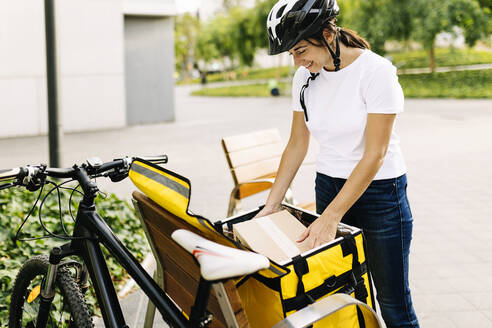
column 149, row 67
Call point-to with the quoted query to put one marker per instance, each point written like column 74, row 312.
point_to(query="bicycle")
column 67, row 279
column 89, row 232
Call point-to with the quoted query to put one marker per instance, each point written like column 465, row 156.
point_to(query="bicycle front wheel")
column 68, row 309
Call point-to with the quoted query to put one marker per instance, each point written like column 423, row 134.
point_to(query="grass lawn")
column 249, row 90
column 459, row 84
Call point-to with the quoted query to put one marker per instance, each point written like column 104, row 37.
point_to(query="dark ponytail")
column 350, row 38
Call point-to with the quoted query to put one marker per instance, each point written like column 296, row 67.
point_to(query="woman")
column 347, row 97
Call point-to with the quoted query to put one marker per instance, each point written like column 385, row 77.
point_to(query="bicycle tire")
column 36, row 268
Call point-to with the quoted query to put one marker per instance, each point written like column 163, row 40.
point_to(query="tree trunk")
column 432, row 59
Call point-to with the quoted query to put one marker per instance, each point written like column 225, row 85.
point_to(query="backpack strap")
column 349, row 246
column 342, row 283
column 326, row 307
column 301, row 268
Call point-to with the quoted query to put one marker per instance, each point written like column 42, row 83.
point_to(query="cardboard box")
column 274, row 235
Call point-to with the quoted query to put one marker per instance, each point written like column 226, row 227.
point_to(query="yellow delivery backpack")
column 270, row 295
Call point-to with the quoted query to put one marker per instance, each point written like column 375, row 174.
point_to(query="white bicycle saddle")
column 217, row 261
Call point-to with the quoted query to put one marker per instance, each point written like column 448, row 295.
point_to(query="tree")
column 216, row 41
column 236, row 36
column 432, row 17
column 487, row 8
column 379, row 20
column 186, row 29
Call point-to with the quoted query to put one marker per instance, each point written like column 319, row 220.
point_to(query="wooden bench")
column 177, row 272
column 253, row 160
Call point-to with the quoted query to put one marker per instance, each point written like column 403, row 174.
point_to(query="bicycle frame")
column 94, row 230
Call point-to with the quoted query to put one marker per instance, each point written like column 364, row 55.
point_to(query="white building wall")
column 90, row 54
column 90, row 62
column 22, row 68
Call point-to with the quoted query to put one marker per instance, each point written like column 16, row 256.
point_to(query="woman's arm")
column 291, row 160
column 377, row 135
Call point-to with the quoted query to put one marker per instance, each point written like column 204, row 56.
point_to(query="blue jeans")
column 383, row 213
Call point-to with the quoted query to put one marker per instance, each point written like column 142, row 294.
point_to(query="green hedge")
column 444, row 57
column 457, row 84
column 15, row 203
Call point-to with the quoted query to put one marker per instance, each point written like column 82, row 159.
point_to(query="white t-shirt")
column 337, row 105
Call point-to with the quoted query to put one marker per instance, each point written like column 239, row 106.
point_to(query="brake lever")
column 118, row 175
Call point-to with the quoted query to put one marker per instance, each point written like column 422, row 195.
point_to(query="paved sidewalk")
column 448, row 148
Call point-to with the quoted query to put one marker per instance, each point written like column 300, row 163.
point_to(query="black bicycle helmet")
column 291, row 21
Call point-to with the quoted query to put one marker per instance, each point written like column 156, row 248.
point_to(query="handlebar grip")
column 158, row 159
column 9, row 174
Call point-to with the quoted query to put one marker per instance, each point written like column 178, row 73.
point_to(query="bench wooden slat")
column 257, row 154
column 256, row 170
column 186, row 263
column 250, row 140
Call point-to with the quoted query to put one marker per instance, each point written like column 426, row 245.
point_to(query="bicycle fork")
column 48, row 284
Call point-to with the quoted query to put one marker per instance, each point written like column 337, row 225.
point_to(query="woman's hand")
column 321, row 231
column 268, row 209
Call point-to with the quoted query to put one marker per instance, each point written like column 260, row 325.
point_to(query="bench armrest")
column 288, row 198
column 264, row 180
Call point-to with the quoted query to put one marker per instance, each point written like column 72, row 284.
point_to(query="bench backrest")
column 253, row 156
column 181, row 273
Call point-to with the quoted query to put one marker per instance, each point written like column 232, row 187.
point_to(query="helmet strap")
column 303, row 89
column 334, row 54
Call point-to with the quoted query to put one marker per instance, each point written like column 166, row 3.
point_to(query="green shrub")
column 15, row 203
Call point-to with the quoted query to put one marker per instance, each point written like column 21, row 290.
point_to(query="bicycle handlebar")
column 116, row 170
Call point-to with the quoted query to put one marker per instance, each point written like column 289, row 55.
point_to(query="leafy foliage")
column 216, row 40
column 15, row 203
column 435, row 16
column 235, row 34
column 419, row 20
column 186, row 29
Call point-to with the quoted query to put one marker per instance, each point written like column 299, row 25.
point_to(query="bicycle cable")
column 28, row 215
column 40, row 218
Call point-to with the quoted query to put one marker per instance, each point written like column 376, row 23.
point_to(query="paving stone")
column 468, row 319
